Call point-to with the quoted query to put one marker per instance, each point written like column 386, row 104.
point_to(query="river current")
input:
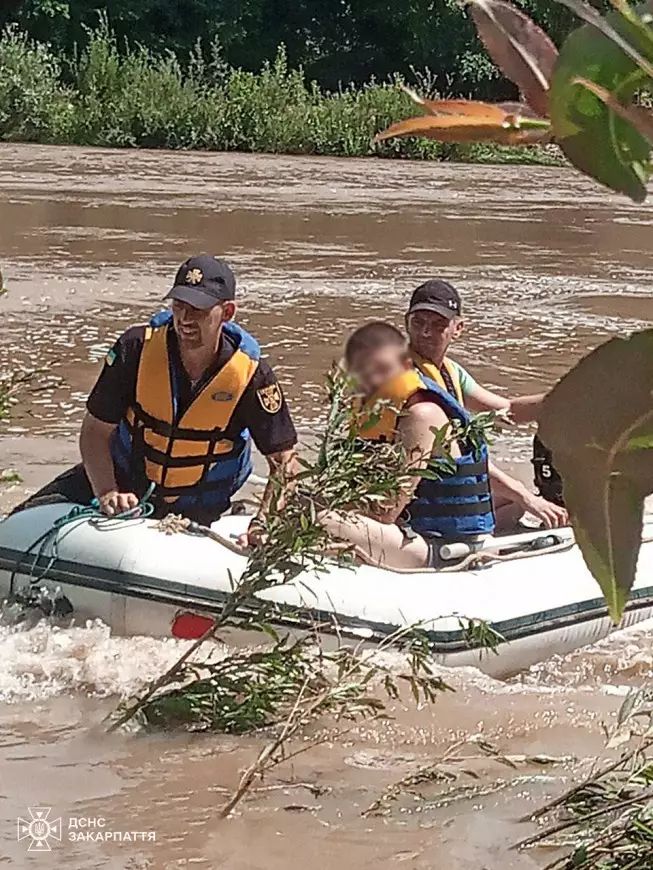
column 548, row 266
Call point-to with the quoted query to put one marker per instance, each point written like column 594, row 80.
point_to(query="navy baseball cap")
column 203, row 282
column 438, row 296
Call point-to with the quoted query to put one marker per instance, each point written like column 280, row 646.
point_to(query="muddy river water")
column 548, row 265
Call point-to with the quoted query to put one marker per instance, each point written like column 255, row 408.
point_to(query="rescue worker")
column 434, row 321
column 177, row 405
column 403, row 404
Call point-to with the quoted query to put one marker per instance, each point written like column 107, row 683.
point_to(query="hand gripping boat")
column 141, row 581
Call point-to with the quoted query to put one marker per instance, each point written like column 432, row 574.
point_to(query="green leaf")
column 8, row 475
column 589, row 420
column 595, row 138
column 579, row 857
column 642, row 442
column 605, row 25
column 429, row 474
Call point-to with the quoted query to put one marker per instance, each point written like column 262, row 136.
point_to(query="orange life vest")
column 447, row 371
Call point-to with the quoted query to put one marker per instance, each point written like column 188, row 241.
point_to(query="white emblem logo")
column 451, row 303
column 39, row 829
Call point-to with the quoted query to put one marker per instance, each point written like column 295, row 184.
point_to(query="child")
column 402, row 405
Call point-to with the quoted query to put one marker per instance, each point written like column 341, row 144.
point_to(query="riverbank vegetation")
column 335, row 43
column 113, row 94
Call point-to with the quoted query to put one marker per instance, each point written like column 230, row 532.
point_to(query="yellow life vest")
column 457, row 501
column 188, row 452
column 379, row 415
column 435, row 374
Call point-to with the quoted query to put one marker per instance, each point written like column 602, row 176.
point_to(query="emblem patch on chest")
column 270, row 398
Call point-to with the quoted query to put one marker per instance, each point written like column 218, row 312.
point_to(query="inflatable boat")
column 533, row 589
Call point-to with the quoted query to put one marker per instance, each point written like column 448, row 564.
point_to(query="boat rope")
column 485, row 557
column 197, row 529
column 78, row 513
column 175, row 523
column 471, row 561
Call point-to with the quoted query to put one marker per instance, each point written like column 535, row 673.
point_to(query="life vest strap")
column 453, row 489
column 167, row 430
column 196, row 489
column 448, row 381
column 452, row 509
column 473, row 469
column 160, row 458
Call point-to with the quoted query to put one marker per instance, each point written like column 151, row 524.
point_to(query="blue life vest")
column 457, row 505
column 185, row 453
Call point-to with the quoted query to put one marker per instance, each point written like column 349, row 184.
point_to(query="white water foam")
column 613, row 665
column 45, row 661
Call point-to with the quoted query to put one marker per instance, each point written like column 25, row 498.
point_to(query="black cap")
column 203, row 282
column 438, row 296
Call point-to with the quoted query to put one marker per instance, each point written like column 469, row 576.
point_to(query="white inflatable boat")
column 141, row 581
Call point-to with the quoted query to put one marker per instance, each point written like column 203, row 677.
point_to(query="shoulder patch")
column 110, row 358
column 270, row 398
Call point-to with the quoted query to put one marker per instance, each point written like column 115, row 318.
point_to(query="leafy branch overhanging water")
column 292, row 682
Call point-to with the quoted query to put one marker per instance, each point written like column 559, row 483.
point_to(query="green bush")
column 34, row 105
column 122, row 96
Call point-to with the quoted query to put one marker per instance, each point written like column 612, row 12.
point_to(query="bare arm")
column 283, row 468
column 95, row 447
column 521, row 409
column 416, row 433
column 526, row 409
column 508, row 487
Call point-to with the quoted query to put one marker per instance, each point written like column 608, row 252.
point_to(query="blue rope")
column 78, row 513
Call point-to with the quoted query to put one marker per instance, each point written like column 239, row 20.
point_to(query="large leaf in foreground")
column 598, row 140
column 598, row 421
column 522, row 50
column 639, row 117
column 640, row 18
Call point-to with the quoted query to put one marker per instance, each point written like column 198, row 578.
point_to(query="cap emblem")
column 452, row 304
column 194, row 276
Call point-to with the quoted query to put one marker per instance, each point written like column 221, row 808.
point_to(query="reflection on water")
column 548, row 265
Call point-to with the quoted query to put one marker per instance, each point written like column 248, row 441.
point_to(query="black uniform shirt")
column 262, row 408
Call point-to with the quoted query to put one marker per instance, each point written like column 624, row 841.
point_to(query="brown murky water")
column 549, row 266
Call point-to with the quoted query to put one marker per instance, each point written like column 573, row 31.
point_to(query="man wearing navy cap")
column 177, row 405
column 434, row 321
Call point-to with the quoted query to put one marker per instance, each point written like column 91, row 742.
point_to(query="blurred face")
column 200, row 327
column 376, row 367
column 431, row 334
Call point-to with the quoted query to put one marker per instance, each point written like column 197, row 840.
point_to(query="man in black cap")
column 175, row 406
column 434, row 320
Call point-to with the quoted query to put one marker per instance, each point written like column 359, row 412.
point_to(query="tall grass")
column 129, row 97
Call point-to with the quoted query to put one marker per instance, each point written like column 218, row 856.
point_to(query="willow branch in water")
column 346, row 696
column 577, row 789
column 345, row 473
column 581, row 820
column 611, row 809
